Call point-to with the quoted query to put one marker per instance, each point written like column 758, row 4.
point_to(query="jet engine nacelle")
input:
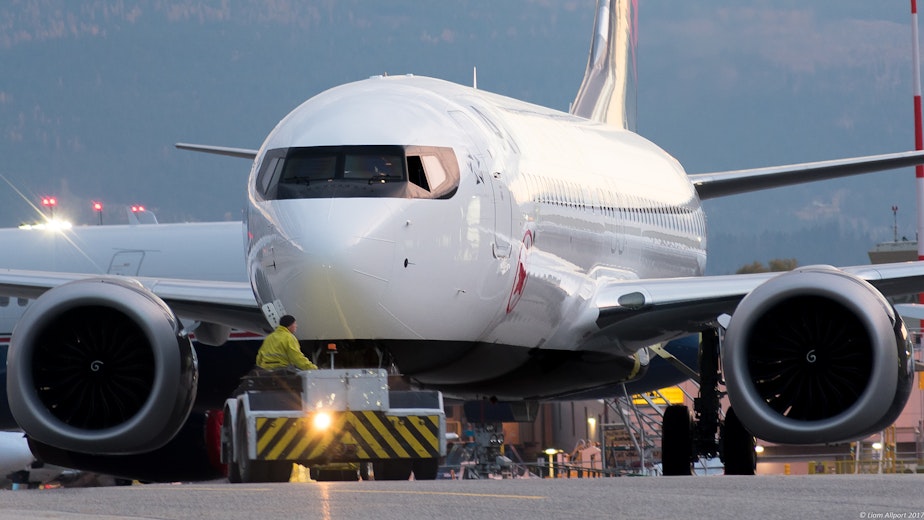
column 815, row 356
column 101, row 366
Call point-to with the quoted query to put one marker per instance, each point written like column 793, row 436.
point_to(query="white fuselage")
column 547, row 205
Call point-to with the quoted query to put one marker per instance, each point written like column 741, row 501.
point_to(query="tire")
column 425, row 469
column 392, row 470
column 737, row 447
column 334, row 475
column 277, row 470
column 249, row 470
column 234, row 473
column 677, row 441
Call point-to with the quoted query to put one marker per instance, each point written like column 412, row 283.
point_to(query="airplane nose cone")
column 333, row 261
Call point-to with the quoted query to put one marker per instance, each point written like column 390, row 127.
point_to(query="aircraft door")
column 503, row 217
column 126, row 263
column 500, row 195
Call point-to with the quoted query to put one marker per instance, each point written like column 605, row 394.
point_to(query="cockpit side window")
column 270, row 170
column 416, row 173
column 438, row 170
column 358, row 171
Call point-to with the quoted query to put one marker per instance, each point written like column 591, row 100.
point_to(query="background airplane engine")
column 814, row 356
column 100, row 366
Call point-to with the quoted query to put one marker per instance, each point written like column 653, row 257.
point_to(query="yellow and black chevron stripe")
column 351, row 436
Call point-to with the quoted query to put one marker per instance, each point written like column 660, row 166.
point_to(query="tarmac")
column 766, row 497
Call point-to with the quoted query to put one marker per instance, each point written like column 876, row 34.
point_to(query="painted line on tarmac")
column 238, row 489
column 442, row 493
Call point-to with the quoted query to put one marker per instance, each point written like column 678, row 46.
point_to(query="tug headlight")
column 321, row 420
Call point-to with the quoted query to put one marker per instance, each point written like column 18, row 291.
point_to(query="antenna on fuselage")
column 475, row 78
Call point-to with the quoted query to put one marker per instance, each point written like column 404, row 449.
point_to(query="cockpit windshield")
column 419, row 172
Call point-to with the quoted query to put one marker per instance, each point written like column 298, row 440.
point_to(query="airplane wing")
column 224, row 303
column 720, row 184
column 243, row 153
column 663, row 309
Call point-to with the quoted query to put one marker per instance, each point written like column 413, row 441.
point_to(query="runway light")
column 321, row 421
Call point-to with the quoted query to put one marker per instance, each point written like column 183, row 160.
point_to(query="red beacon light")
column 137, row 208
column 98, row 208
column 50, row 203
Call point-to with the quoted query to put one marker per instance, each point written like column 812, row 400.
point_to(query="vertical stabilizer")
column 608, row 92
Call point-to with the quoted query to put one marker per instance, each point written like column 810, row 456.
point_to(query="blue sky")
column 742, row 84
column 94, row 95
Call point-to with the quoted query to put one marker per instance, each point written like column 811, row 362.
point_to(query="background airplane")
column 487, row 247
column 209, row 251
column 18, row 467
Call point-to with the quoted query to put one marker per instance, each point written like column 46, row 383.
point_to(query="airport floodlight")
column 50, row 203
column 98, row 208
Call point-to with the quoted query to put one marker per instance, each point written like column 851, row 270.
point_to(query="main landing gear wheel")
column 738, row 445
column 677, row 441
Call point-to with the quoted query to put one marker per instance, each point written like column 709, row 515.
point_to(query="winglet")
column 243, row 153
column 608, row 91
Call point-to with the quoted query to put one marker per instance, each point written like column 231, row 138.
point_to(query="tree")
column 774, row 266
column 778, row 265
column 754, row 267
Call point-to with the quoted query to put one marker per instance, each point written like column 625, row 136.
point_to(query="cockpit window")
column 434, row 169
column 419, row 172
column 373, row 167
column 307, row 169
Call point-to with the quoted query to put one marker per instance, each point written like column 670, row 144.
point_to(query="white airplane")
column 18, row 467
column 214, row 252
column 486, row 247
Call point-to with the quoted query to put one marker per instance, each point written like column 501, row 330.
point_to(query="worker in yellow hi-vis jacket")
column 280, row 349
